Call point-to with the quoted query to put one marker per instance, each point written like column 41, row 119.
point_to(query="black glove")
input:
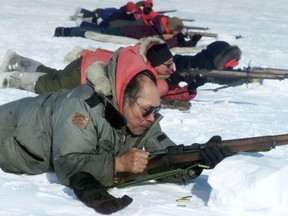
column 211, row 154
column 187, row 43
column 195, row 38
column 197, row 81
column 174, row 79
column 181, row 37
column 94, row 194
column 181, row 42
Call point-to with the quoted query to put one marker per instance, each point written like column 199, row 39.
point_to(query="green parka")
column 75, row 130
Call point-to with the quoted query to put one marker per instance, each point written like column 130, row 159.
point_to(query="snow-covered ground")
column 245, row 184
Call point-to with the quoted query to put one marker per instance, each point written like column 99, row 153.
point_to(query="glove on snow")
column 94, row 194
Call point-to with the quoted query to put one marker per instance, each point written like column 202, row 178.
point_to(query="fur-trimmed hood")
column 220, row 52
column 130, row 61
column 96, row 74
column 110, row 80
column 232, row 52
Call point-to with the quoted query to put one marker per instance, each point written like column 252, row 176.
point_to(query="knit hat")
column 159, row 54
column 130, row 7
column 175, row 24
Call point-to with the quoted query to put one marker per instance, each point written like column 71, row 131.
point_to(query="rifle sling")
column 147, row 178
column 155, row 176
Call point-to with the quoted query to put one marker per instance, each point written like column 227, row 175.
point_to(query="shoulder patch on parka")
column 161, row 137
column 93, row 101
column 80, row 120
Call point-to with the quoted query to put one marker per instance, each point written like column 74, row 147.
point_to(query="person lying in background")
column 41, row 78
column 142, row 11
column 33, row 76
column 108, row 17
column 167, row 28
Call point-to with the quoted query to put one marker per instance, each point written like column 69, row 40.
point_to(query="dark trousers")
column 55, row 80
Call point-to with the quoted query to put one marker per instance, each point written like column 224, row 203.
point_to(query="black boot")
column 62, row 32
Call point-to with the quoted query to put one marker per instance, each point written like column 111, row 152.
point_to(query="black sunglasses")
column 151, row 110
column 168, row 65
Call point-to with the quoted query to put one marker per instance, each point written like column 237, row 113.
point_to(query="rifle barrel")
column 254, row 143
column 230, row 74
column 275, row 71
column 260, row 143
column 240, row 74
column 166, row 11
column 187, row 20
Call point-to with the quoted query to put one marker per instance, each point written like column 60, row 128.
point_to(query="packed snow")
column 245, row 184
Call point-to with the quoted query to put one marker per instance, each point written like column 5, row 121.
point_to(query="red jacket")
column 176, row 93
column 89, row 57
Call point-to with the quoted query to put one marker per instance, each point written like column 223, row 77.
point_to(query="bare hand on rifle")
column 134, row 161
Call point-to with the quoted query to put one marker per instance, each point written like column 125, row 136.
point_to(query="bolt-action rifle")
column 203, row 34
column 246, row 73
column 178, row 158
column 196, row 28
column 208, row 34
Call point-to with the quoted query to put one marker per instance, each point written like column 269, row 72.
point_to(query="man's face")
column 137, row 16
column 167, row 68
column 149, row 100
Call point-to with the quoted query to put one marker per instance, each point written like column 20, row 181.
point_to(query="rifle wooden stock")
column 251, row 144
column 248, row 73
column 196, row 27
